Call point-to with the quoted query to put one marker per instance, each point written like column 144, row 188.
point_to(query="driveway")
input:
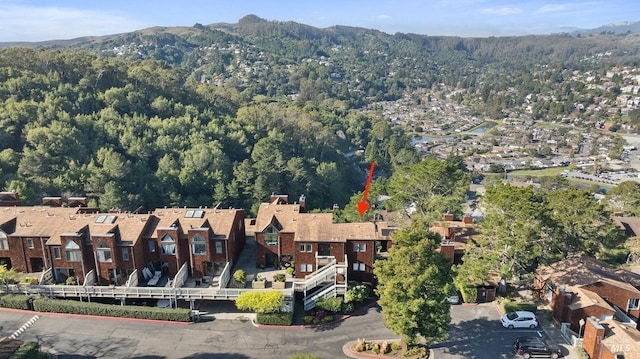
column 476, row 333
column 80, row 338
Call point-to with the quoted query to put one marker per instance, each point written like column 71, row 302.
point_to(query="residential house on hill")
column 580, row 287
column 74, row 241
column 286, row 236
column 610, row 339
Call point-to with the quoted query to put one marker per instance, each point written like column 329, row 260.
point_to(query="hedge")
column 333, row 304
column 29, row 350
column 516, row 306
column 111, row 310
column 15, row 301
column 275, row 318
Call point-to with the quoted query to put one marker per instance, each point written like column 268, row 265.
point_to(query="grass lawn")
column 543, row 172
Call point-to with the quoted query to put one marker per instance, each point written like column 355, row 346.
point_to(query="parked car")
column 536, row 347
column 519, row 319
column 453, row 299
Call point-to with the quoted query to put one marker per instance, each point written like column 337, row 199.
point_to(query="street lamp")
column 581, row 322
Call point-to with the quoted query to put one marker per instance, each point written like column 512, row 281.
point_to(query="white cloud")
column 550, row 8
column 383, row 16
column 502, row 11
column 30, row 23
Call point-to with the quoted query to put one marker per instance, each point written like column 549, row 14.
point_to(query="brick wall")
column 366, row 257
column 615, row 295
column 595, row 311
column 592, row 336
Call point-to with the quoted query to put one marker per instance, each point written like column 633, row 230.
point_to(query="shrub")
column 328, row 318
column 303, row 356
column 275, row 318
column 360, row 346
column 71, row 281
column 385, row 348
column 516, row 306
column 395, row 346
column 240, row 276
column 375, row 348
column 121, row 311
column 582, row 354
column 310, row 319
column 260, row 302
column 291, row 271
column 29, row 280
column 15, row 301
column 29, row 350
column 319, row 314
column 347, row 307
column 356, row 292
column 469, row 294
column 280, row 277
column 333, row 305
column 415, row 350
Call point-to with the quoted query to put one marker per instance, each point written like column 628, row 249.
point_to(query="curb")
column 70, row 315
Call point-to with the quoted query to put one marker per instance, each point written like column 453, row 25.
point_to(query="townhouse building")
column 74, row 241
column 287, row 236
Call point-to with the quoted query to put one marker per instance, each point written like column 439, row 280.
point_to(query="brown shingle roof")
column 286, row 214
column 219, row 220
column 630, row 225
column 621, row 337
column 319, row 227
column 45, row 222
column 585, row 298
column 582, row 270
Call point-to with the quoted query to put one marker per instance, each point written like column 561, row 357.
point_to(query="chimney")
column 448, row 250
column 303, row 203
column 448, row 217
column 592, row 337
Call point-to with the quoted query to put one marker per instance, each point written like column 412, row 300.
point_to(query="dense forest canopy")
column 226, row 114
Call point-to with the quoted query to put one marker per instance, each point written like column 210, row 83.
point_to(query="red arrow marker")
column 363, row 206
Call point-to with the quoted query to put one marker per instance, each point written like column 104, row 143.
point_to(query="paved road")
column 73, row 337
column 476, row 333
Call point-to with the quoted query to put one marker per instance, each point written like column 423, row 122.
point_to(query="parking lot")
column 476, row 333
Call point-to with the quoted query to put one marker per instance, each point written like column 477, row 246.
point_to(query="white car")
column 519, row 319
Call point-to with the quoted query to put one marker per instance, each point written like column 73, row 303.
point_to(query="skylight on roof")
column 101, row 218
column 194, row 214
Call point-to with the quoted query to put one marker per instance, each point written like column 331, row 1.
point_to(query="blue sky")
column 37, row 20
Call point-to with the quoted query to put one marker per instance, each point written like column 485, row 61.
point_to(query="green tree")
column 581, row 223
column 260, row 301
column 412, row 284
column 8, row 276
column 434, row 186
column 514, row 234
column 625, row 197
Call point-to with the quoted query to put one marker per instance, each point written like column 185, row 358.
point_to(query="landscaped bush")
column 29, row 280
column 347, row 307
column 469, row 294
column 333, row 305
column 304, row 356
column 275, row 318
column 122, row 311
column 356, row 292
column 29, row 350
column 309, row 319
column 510, row 306
column 15, row 301
column 240, row 276
column 291, row 271
column 280, row 277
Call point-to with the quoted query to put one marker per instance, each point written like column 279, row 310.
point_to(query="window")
column 271, row 239
column 72, row 251
column 306, row 267
column 168, row 244
column 152, row 246
column 30, row 243
column 358, row 267
column 634, row 304
column 270, row 236
column 4, row 243
column 56, row 253
column 306, row 248
column 198, row 245
column 194, row 214
column 359, row 247
column 125, row 254
column 103, row 252
column 218, row 247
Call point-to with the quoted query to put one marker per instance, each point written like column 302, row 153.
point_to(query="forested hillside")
column 228, row 113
